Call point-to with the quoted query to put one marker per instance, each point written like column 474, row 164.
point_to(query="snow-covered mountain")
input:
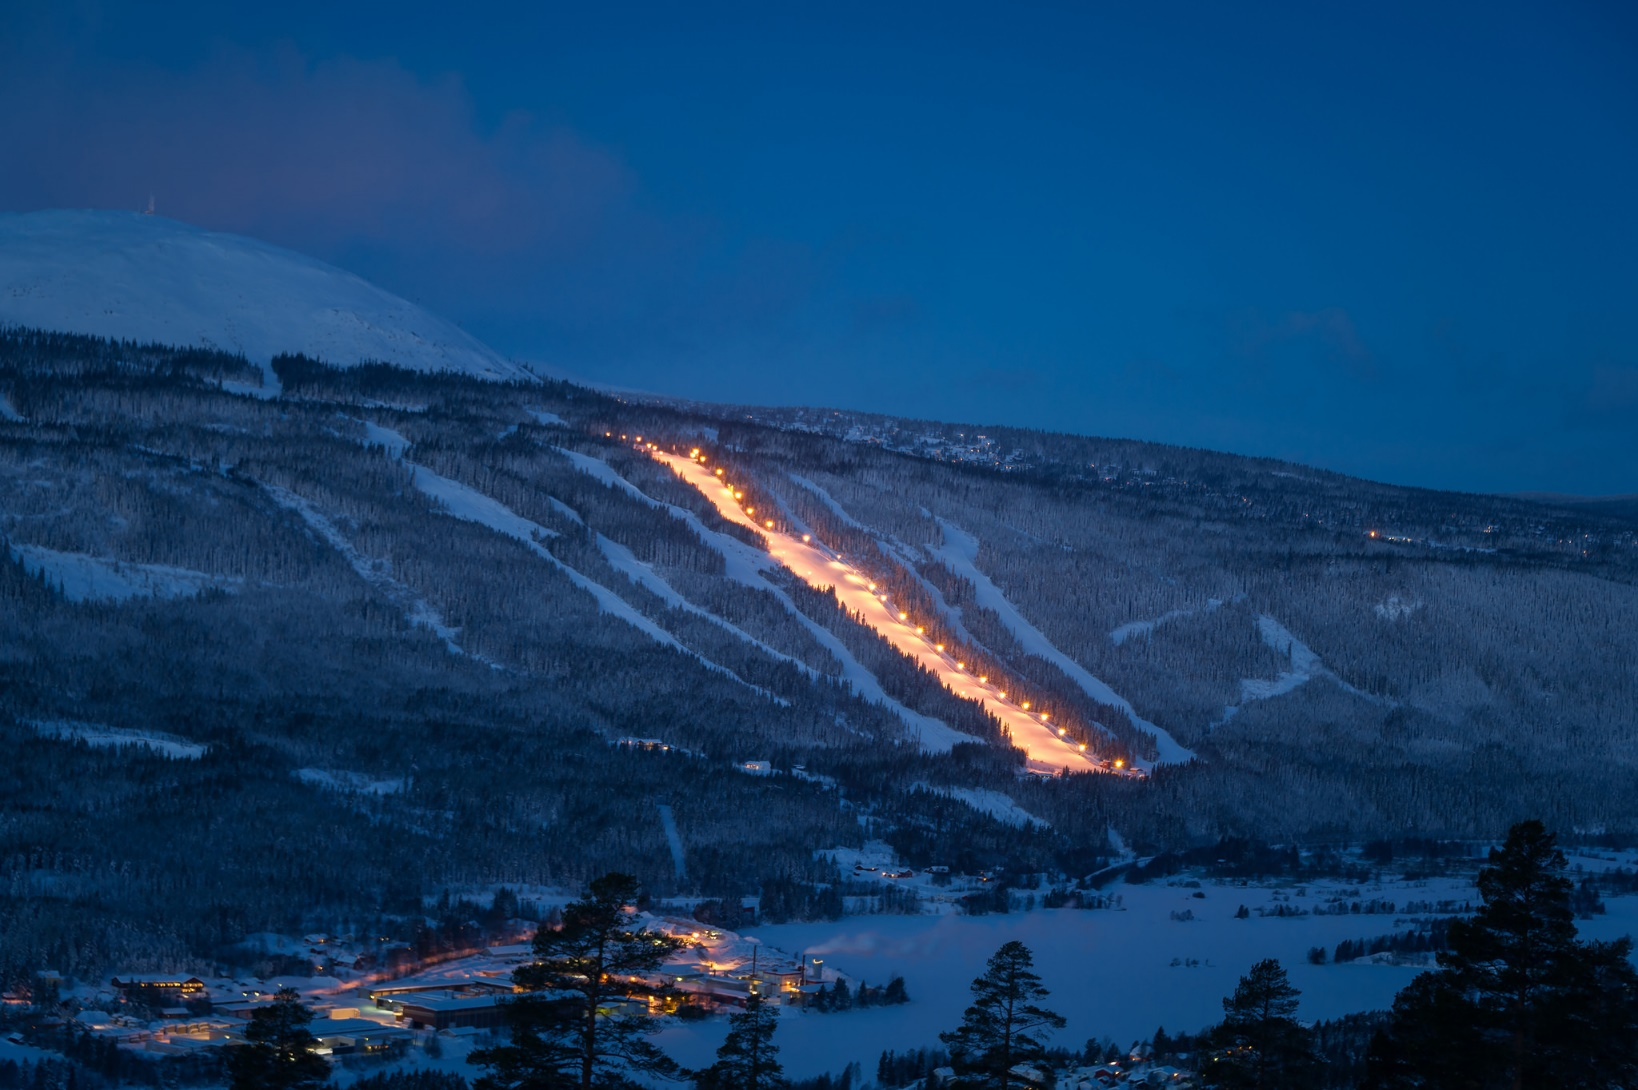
column 147, row 278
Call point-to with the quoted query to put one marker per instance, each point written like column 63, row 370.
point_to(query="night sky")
column 1394, row 240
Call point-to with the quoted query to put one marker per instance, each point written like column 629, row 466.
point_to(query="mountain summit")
column 146, row 278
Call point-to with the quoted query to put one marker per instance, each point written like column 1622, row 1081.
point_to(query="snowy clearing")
column 997, row 805
column 959, row 552
column 377, row 436
column 467, row 503
column 1122, row 633
column 673, row 840
column 349, row 783
column 1305, row 666
column 8, row 411
column 95, row 734
column 83, row 578
column 547, row 418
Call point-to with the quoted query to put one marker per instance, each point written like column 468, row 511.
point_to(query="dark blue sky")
column 1398, row 241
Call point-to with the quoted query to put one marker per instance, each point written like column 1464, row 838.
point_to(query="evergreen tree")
column 748, row 1058
column 1260, row 1045
column 1517, row 1001
column 541, row 1052
column 279, row 1054
column 1000, row 1030
column 595, row 956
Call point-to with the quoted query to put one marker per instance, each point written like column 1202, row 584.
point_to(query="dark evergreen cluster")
column 839, row 997
column 1422, row 940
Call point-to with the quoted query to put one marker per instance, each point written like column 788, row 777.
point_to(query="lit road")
column 823, row 569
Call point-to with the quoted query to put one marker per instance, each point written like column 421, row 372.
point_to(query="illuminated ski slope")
column 822, row 569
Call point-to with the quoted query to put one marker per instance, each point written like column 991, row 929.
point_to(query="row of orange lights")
column 904, row 617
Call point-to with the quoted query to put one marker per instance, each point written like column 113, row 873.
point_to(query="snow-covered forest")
column 327, row 653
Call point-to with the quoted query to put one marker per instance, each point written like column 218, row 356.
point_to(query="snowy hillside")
column 146, row 278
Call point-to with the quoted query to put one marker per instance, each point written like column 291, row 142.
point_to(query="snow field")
column 1110, row 971
column 83, row 578
column 95, row 734
column 151, row 279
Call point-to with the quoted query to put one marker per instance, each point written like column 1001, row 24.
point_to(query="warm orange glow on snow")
column 823, row 569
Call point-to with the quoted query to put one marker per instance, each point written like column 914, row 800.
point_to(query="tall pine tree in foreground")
column 748, row 1059
column 1260, row 1045
column 279, row 1054
column 558, row 1038
column 1518, row 1002
column 1001, row 1030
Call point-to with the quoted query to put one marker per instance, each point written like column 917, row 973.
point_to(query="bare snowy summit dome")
column 147, row 278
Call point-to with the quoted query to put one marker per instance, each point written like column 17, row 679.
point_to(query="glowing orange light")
column 1025, row 705
column 904, row 616
column 920, row 631
column 938, row 647
column 769, row 524
column 1120, row 764
column 806, row 538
